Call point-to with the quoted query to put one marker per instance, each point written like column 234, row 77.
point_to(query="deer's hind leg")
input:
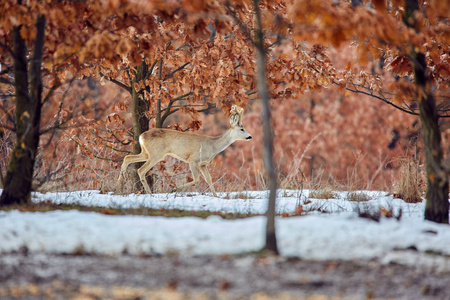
column 196, row 176
column 142, row 171
column 129, row 159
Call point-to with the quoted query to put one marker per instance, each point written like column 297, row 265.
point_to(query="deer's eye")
column 242, row 129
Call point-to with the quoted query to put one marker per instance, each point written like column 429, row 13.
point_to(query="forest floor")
column 47, row 276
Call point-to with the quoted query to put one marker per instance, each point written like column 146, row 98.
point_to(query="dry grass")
column 358, row 196
column 324, row 192
column 411, row 185
column 238, row 195
column 84, row 173
column 143, row 211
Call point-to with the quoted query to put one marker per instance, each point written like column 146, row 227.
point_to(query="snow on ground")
column 337, row 234
column 237, row 202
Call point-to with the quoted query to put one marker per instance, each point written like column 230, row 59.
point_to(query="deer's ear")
column 234, row 120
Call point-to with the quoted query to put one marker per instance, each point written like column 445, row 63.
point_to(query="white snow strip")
column 252, row 202
column 338, row 234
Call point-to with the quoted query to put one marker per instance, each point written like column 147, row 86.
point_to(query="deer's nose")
column 249, row 138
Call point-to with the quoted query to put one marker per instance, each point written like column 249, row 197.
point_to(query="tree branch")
column 242, row 26
column 118, row 83
column 150, row 71
column 379, row 98
column 10, row 118
column 6, row 81
column 115, row 137
column 8, row 128
column 61, row 128
column 170, row 75
column 85, row 148
column 370, row 93
column 168, row 110
column 108, row 141
column 57, row 124
column 6, row 70
column 129, row 78
column 7, row 48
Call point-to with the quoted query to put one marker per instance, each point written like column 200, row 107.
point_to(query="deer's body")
column 195, row 149
column 187, row 146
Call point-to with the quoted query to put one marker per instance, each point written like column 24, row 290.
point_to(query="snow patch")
column 336, row 235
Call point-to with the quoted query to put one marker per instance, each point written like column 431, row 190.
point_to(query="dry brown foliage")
column 324, row 85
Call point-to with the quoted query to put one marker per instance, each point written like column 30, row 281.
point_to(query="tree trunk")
column 19, row 175
column 139, row 108
column 437, row 205
column 271, row 240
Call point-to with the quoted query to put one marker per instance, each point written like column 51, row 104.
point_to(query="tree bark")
column 139, row 108
column 271, row 240
column 19, row 175
column 437, row 206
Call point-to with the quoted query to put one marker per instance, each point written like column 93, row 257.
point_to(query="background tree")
column 258, row 40
column 28, row 86
column 437, row 206
column 271, row 241
column 386, row 37
column 24, row 25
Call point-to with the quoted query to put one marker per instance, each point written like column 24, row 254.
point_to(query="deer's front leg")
column 205, row 172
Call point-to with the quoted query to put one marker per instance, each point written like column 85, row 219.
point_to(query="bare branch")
column 6, row 81
column 7, row 48
column 118, row 83
column 170, row 75
column 10, row 118
column 150, row 71
column 369, row 93
column 379, row 98
column 49, row 94
column 114, row 136
column 210, row 107
column 8, row 128
column 108, row 141
column 168, row 111
column 57, row 124
column 6, row 70
column 129, row 78
column 7, row 95
column 182, row 97
column 85, row 148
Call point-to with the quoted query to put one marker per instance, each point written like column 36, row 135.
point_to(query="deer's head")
column 238, row 131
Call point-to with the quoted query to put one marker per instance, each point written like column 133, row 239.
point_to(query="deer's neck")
column 223, row 141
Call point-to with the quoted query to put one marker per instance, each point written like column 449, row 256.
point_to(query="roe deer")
column 195, row 149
